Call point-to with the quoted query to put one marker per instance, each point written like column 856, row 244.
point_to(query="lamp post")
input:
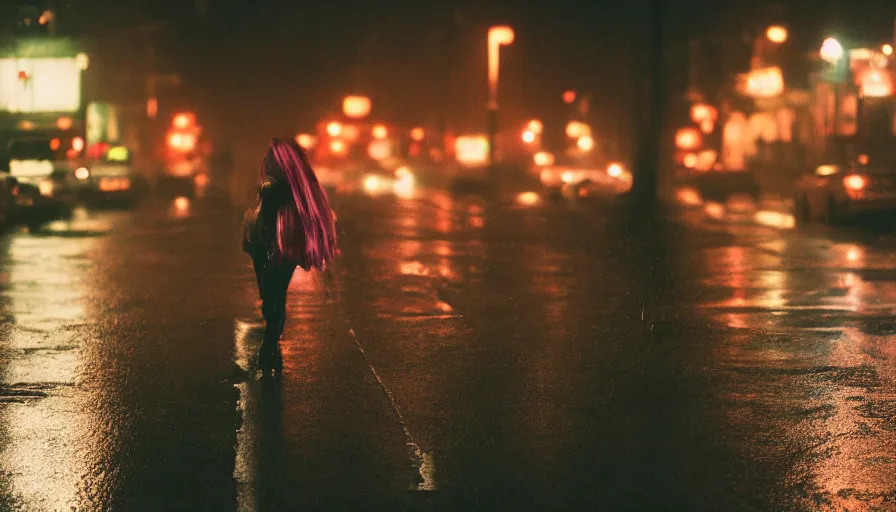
column 835, row 55
column 774, row 36
column 498, row 36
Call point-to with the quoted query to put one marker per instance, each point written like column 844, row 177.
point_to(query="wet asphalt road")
column 462, row 355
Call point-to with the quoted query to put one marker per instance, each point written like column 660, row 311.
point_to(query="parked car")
column 836, row 192
column 23, row 204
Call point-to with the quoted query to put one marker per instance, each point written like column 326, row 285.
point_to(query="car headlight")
column 45, row 187
column 372, row 183
column 615, row 170
column 82, row 173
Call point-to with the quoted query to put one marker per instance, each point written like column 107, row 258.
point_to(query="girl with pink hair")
column 290, row 225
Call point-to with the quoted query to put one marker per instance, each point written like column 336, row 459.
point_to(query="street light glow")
column 615, row 169
column 380, row 131
column 687, row 139
column 535, row 126
column 831, row 50
column 543, row 159
column 528, row 136
column 182, row 121
column 471, row 150
column 498, row 36
column 776, row 34
column 356, row 107
column 585, row 143
column 576, row 129
column 887, row 49
column 334, row 129
column 701, row 112
column 337, row 147
column 306, row 140
column 764, row 83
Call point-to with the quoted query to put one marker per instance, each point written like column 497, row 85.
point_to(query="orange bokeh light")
column 688, row 138
column 334, row 128
column 183, row 121
column 306, row 140
column 356, row 107
column 64, row 123
column 338, row 147
column 543, row 158
column 776, row 34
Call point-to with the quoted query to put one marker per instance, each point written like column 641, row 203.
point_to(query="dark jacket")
column 260, row 220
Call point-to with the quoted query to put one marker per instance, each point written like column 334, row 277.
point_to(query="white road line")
column 422, row 461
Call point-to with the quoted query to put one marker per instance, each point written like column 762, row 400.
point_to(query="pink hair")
column 306, row 230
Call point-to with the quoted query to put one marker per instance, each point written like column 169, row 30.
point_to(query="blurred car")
column 835, row 192
column 111, row 178
column 23, row 204
column 722, row 186
column 376, row 178
column 34, row 162
column 611, row 178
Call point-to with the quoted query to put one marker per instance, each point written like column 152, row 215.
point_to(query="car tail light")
column 855, row 182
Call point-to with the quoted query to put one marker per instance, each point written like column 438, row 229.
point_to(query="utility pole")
column 645, row 188
column 51, row 24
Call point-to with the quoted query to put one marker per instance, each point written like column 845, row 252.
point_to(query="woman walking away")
column 290, row 224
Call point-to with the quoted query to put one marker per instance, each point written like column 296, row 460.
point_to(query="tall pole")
column 644, row 188
column 497, row 37
column 494, row 62
column 51, row 6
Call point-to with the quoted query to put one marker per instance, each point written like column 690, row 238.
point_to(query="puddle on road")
column 48, row 423
column 799, row 371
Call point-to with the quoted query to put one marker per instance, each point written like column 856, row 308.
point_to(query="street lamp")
column 776, row 34
column 831, row 50
column 498, row 36
column 356, row 107
column 765, row 44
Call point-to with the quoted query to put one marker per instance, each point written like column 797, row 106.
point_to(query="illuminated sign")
column 471, row 150
column 118, row 154
column 356, row 107
column 763, row 83
column 52, row 85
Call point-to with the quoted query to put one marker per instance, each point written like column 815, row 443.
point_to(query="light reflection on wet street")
column 517, row 354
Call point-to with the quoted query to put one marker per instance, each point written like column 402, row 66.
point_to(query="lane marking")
column 421, row 460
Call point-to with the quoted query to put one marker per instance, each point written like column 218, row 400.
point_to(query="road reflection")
column 54, row 449
column 808, row 370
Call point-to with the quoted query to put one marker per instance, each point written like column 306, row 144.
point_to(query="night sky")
column 275, row 67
